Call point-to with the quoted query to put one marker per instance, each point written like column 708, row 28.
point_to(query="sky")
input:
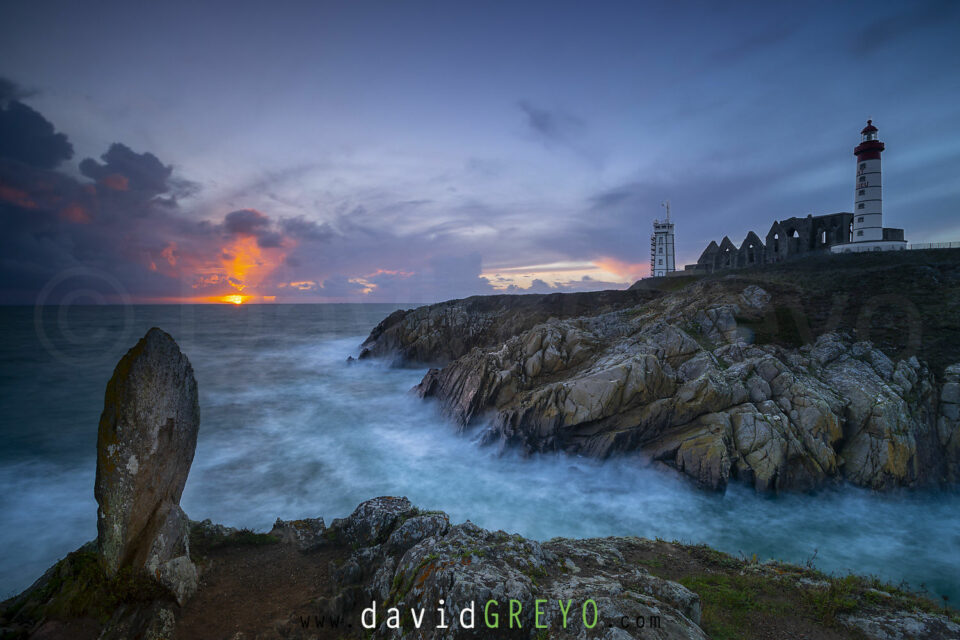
column 411, row 151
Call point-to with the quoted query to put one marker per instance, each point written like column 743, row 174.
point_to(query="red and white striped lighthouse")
column 867, row 209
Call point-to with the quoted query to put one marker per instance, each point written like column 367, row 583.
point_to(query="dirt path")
column 257, row 592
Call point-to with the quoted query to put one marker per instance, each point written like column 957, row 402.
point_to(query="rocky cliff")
column 391, row 570
column 713, row 379
column 412, row 574
column 441, row 332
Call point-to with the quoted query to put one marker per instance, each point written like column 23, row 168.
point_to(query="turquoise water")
column 289, row 429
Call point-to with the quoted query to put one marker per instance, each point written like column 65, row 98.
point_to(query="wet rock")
column 888, row 625
column 463, row 575
column 678, row 380
column 145, row 446
column 442, row 332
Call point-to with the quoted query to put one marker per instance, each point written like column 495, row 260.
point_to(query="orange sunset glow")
column 241, row 266
column 247, row 264
column 601, row 269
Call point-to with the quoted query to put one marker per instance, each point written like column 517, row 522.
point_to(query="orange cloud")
column 116, row 181
column 389, row 272
column 368, row 287
column 75, row 213
column 207, row 279
column 303, row 285
column 246, row 264
column 236, row 269
column 17, row 197
column 621, row 268
column 168, row 254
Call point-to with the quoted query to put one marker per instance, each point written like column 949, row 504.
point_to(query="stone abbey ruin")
column 790, row 238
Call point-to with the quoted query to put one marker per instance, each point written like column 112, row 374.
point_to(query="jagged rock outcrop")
column 948, row 420
column 681, row 380
column 442, row 332
column 407, row 559
column 402, row 558
column 305, row 534
column 145, row 446
column 902, row 625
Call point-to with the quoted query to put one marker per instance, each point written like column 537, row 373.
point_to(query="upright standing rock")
column 145, row 446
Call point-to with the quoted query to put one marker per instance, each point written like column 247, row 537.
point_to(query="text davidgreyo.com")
column 496, row 615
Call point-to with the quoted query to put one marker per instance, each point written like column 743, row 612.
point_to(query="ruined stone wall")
column 786, row 239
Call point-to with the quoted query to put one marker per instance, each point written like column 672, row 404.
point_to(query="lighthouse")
column 867, row 203
column 661, row 246
column 867, row 232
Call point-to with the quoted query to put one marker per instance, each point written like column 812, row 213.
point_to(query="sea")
column 289, row 429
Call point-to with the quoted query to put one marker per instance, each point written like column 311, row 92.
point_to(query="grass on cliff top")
column 742, row 598
column 203, row 541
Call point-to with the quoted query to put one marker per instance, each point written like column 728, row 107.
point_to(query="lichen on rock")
column 145, row 446
column 682, row 379
column 439, row 566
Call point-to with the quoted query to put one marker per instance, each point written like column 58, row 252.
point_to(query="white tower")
column 661, row 246
column 867, row 210
column 867, row 231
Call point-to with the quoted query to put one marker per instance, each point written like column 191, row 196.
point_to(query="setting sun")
column 235, row 299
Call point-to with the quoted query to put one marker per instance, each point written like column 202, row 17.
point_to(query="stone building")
column 790, row 238
column 835, row 232
column 662, row 246
column 869, row 234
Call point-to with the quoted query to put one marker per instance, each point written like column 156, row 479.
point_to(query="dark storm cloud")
column 306, row 230
column 270, row 240
column 141, row 172
column 125, row 231
column 32, row 246
column 25, row 135
column 125, row 245
column 248, row 222
column 129, row 224
column 382, row 189
column 10, row 90
column 271, row 233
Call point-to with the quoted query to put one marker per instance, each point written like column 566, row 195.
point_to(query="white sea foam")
column 290, row 430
